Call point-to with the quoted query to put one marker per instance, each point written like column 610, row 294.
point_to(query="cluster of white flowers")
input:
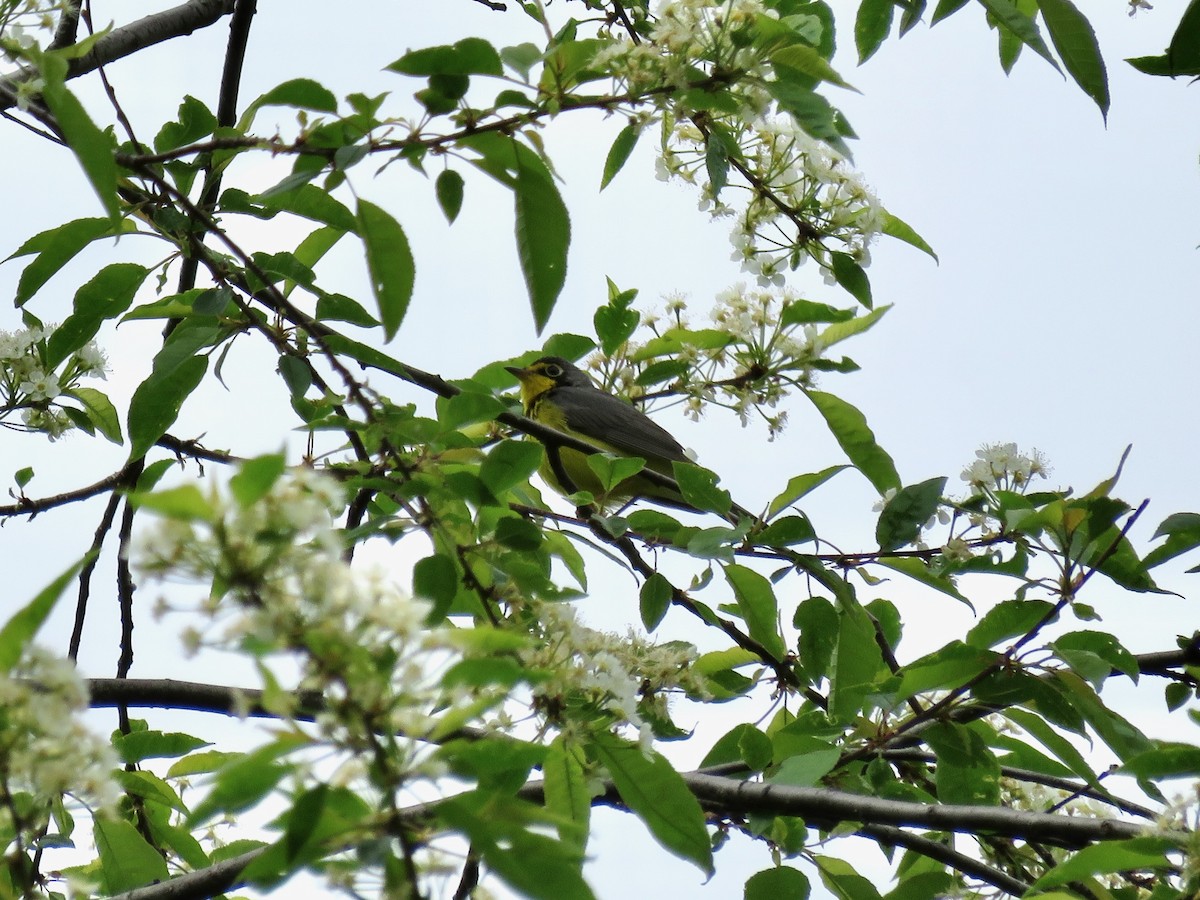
column 626, row 678
column 45, row 751
column 691, row 36
column 279, row 583
column 1003, row 467
column 811, row 203
column 29, row 384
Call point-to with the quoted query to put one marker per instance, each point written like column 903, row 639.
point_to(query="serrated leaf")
column 618, row 153
column 849, row 428
column 1076, row 44
column 390, row 263
column 657, row 794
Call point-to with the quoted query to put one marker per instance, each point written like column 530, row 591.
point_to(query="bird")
column 556, row 393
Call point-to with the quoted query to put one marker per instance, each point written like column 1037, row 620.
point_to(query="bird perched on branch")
column 561, row 396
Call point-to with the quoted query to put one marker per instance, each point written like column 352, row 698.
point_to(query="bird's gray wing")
column 606, row 418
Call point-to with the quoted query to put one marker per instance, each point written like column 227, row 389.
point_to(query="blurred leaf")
column 19, row 630
column 817, row 621
column 777, row 883
column 183, row 502
column 1165, row 760
column 567, row 793
column 255, row 478
column 470, row 56
column 390, row 262
column 508, row 464
column 871, row 27
column 127, row 861
column 1110, row 856
column 656, row 793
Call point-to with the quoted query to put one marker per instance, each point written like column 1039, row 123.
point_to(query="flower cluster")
column 587, row 672
column 1003, row 467
column 280, row 584
column 808, row 201
column 30, row 383
column 45, row 751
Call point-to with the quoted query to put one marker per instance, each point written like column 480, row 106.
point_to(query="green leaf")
column 1165, row 760
column 245, row 780
column 93, row 146
column 23, row 476
column 185, row 502
column 100, row 411
column 618, row 153
column 658, row 796
column 127, row 860
column 1109, row 856
column 255, row 478
column 967, row 771
column 177, row 371
column 871, row 27
column 922, row 571
column 786, row 531
column 303, row 93
column 139, row 745
column 798, row 486
column 808, row 61
column 20, row 629
column 543, row 230
column 699, row 488
column 508, row 464
column 470, row 56
column 1076, row 44
column 654, row 600
column 849, row 428
column 310, row 202
column 390, row 262
column 1095, row 652
column 843, row 880
column 850, row 275
column 716, row 162
column 894, row 226
column 856, row 664
column 1123, row 738
column 449, row 190
column 758, row 607
column 615, row 323
column 817, row 621
column 612, row 470
column 1020, row 26
column 1008, row 620
column 1055, row 742
column 57, row 246
column 105, row 296
column 775, row 884
column 567, row 794
column 904, row 516
column 950, row 667
column 340, row 308
column 1182, row 532
column 945, row 9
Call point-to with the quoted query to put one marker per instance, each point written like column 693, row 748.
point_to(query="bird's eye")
column 553, row 371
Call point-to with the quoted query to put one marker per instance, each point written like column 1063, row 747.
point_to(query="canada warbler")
column 560, row 395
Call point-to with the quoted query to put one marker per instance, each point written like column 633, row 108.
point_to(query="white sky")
column 1062, row 314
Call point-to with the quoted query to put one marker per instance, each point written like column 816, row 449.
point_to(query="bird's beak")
column 520, row 373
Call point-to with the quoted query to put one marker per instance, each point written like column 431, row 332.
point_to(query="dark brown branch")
column 196, row 696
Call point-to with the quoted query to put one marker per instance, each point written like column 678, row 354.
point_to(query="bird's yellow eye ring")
column 553, row 371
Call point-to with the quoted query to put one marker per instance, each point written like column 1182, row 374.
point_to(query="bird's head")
column 547, row 373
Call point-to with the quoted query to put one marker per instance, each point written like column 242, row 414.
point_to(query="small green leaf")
column 849, row 428
column 1008, row 620
column 543, row 230
column 390, row 262
column 567, row 794
column 716, row 163
column 857, row 662
column 310, row 202
column 23, row 476
column 798, row 486
column 436, row 578
column 699, row 488
column 508, row 464
column 105, row 296
column 156, row 402
column 809, row 61
column 894, row 226
column 185, row 502
column 904, row 516
column 658, row 796
column 470, row 56
column 449, row 190
column 654, row 600
column 1020, row 26
column 100, row 411
column 303, row 93
column 612, row 470
column 619, row 153
column 850, row 275
column 758, row 606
